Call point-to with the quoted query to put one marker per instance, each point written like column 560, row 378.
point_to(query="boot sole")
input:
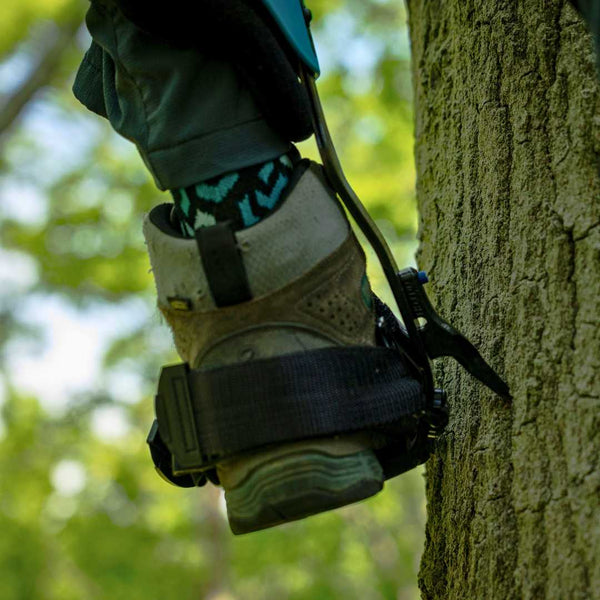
column 297, row 485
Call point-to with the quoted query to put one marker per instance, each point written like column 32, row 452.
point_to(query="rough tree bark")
column 508, row 155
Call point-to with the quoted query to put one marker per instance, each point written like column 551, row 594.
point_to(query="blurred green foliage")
column 82, row 513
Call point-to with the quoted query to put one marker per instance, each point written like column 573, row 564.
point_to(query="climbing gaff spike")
column 441, row 339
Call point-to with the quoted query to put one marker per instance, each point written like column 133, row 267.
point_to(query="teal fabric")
column 289, row 16
column 189, row 115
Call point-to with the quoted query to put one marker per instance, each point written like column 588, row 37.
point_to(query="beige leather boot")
column 296, row 282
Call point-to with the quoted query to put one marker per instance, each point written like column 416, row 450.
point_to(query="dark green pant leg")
column 189, row 116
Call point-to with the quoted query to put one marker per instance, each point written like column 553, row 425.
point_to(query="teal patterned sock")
column 242, row 197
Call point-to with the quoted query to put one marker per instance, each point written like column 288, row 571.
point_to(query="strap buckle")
column 177, row 420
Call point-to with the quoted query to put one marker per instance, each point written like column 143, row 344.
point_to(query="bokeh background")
column 82, row 513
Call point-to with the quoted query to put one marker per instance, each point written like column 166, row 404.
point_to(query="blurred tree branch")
column 57, row 41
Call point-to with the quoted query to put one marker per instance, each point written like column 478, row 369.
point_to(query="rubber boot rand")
column 295, row 282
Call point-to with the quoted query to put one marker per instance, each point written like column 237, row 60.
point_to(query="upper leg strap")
column 205, row 416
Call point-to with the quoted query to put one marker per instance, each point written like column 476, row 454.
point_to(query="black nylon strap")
column 317, row 393
column 223, row 264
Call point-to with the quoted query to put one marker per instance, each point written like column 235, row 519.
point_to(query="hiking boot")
column 293, row 283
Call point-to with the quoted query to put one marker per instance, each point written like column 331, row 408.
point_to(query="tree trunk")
column 508, row 154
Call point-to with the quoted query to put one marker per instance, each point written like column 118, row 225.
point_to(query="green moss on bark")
column 508, row 155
